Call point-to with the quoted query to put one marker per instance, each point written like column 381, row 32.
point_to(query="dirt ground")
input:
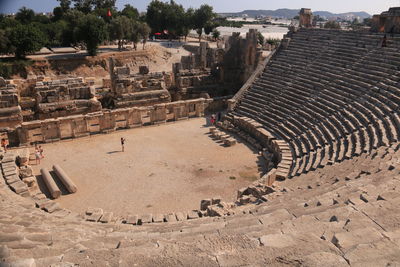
column 164, row 168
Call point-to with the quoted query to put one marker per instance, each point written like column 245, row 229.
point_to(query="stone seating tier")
column 331, row 95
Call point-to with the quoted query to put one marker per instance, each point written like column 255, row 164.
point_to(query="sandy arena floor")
column 163, row 169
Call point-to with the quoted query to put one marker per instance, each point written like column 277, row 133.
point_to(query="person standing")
column 4, row 144
column 37, row 156
column 123, row 144
column 212, row 119
column 40, row 149
column 219, row 116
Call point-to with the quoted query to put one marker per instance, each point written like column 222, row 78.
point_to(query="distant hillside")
column 290, row 13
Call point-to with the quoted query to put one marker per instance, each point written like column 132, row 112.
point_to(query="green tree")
column 130, row 12
column 25, row 15
column 216, row 34
column 144, row 32
column 260, row 38
column 120, row 28
column 55, row 33
column 155, row 15
column 71, row 17
column 4, row 42
column 26, row 39
column 92, row 31
column 65, row 5
column 187, row 22
column 332, row 25
column 134, row 36
column 201, row 17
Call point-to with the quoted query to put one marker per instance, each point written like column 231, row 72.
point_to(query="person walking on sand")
column 123, row 144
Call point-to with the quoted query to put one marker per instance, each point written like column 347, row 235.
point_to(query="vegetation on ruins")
column 92, row 31
column 216, row 34
column 332, row 25
column 273, row 41
column 260, row 38
column 91, row 22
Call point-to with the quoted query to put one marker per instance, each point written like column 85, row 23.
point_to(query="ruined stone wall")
column 217, row 71
column 10, row 111
column 104, row 121
column 305, row 18
column 387, row 22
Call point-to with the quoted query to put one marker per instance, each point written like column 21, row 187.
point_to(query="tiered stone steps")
column 340, row 215
column 331, row 95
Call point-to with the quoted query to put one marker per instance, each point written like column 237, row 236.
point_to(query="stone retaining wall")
column 105, row 121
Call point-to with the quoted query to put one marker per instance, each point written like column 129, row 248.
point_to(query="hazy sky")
column 336, row 6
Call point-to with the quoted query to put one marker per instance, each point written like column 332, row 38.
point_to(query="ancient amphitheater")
column 321, row 111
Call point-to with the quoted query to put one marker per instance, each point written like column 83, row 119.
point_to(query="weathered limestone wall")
column 387, row 22
column 10, row 110
column 306, row 18
column 105, row 121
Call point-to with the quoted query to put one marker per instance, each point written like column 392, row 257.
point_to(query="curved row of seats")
column 331, row 95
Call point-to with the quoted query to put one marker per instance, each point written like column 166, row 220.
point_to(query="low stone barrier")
column 105, row 121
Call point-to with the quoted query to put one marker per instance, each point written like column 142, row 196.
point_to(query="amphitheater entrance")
column 164, row 168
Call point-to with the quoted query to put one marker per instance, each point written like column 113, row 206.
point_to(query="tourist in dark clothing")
column 384, row 44
column 123, row 144
column 219, row 116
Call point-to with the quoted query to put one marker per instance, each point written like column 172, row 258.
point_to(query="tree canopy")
column 94, row 21
column 92, row 31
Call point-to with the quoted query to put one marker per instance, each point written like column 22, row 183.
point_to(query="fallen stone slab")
column 277, row 240
column 193, row 214
column 146, row 218
column 95, row 216
column 40, row 203
column 216, row 200
column 29, row 181
column 23, row 157
column 230, row 142
column 181, row 216
column 132, row 219
column 51, row 207
column 19, row 187
column 25, row 171
column 107, row 217
column 170, row 217
column 25, row 193
column 158, row 218
column 204, row 204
